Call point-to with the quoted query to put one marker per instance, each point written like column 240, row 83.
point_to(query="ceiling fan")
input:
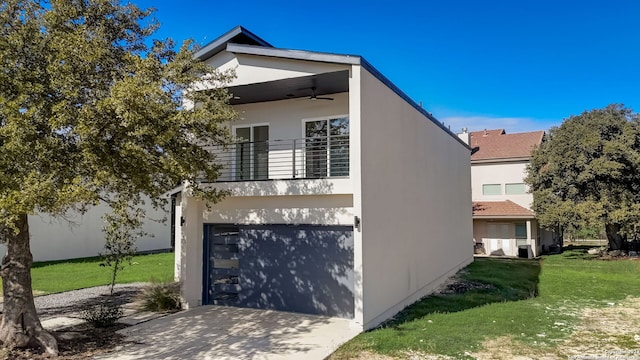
column 314, row 97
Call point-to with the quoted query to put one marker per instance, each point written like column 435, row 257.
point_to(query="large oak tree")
column 587, row 173
column 90, row 113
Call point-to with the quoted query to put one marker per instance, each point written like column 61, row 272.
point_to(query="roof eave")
column 176, row 190
column 293, row 54
column 219, row 44
column 496, row 160
column 489, row 217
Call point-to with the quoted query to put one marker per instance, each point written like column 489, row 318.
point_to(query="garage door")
column 301, row 268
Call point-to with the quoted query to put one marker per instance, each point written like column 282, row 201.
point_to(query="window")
column 327, row 147
column 515, row 189
column 491, row 189
column 521, row 231
column 521, row 234
column 252, row 152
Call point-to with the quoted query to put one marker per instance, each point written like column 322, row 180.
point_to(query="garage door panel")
column 295, row 268
column 306, row 269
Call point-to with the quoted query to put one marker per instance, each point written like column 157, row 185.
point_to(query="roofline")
column 497, row 160
column 487, row 217
column 370, row 68
column 339, row 59
column 293, row 54
column 217, row 45
column 176, row 190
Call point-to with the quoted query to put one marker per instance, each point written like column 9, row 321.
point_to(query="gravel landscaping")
column 81, row 341
column 73, row 302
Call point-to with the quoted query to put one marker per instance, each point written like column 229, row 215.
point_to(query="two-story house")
column 503, row 222
column 348, row 199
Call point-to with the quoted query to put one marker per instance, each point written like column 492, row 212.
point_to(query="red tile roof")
column 497, row 144
column 502, row 209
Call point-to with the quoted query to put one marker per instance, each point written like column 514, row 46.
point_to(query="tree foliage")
column 587, row 173
column 89, row 113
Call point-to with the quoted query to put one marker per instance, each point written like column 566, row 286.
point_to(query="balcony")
column 307, row 158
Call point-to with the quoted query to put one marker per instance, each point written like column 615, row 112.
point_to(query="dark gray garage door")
column 301, row 268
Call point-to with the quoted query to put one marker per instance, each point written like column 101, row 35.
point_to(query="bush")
column 103, row 315
column 160, row 296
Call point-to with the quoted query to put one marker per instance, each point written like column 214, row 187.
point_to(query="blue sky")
column 517, row 65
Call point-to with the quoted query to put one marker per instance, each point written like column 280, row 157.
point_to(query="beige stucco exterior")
column 506, row 245
column 499, row 173
column 251, row 69
column 408, row 184
column 498, row 234
column 415, row 200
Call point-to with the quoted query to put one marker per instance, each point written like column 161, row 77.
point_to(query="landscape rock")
column 594, row 251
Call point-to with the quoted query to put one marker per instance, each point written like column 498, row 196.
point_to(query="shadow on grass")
column 93, row 259
column 485, row 281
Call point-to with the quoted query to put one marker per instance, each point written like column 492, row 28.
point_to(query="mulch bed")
column 75, row 343
column 81, row 341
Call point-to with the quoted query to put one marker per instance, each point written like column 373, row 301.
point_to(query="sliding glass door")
column 252, row 152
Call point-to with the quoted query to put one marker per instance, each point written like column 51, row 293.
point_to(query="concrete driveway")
column 220, row 332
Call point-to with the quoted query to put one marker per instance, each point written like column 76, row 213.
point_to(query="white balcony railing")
column 306, row 158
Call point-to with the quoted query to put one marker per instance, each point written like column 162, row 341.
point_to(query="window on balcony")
column 252, row 152
column 326, row 147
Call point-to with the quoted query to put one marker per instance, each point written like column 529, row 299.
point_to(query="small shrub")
column 160, row 296
column 103, row 315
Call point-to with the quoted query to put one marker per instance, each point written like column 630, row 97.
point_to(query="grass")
column 59, row 276
column 533, row 302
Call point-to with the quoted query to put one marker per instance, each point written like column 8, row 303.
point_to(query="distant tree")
column 90, row 113
column 587, row 173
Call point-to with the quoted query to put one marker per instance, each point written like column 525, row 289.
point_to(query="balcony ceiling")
column 291, row 88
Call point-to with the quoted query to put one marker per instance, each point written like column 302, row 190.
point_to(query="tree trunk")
column 20, row 322
column 616, row 240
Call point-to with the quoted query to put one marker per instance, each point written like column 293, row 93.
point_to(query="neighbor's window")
column 521, row 234
column 491, row 189
column 515, row 189
column 521, row 231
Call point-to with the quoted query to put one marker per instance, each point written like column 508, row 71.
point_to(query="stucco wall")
column 481, row 234
column 57, row 239
column 252, row 69
column 285, row 117
column 501, row 173
column 313, row 209
column 480, row 227
column 416, row 202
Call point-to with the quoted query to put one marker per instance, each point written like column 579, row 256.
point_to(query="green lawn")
column 58, row 276
column 535, row 303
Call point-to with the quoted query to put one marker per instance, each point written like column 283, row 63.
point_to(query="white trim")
column 251, row 140
column 327, row 117
column 234, row 127
column 321, row 118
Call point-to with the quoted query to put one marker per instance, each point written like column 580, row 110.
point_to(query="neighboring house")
column 78, row 236
column 348, row 199
column 503, row 222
